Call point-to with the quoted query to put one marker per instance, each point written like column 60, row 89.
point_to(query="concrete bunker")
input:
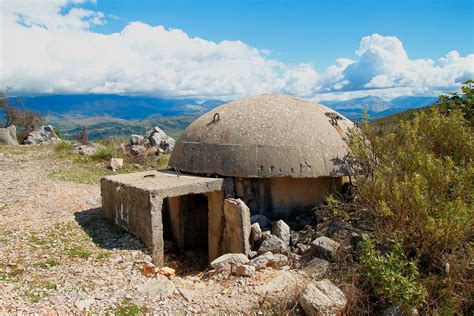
column 276, row 154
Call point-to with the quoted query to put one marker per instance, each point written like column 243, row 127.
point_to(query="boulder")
column 43, row 135
column 236, row 236
column 116, row 163
column 228, row 261
column 255, row 232
column 265, row 260
column 138, row 150
column 86, row 150
column 8, row 136
column 281, row 260
column 158, row 138
column 245, row 270
column 158, row 287
column 136, row 139
column 322, row 298
column 317, row 268
column 282, row 231
column 325, row 248
column 273, row 244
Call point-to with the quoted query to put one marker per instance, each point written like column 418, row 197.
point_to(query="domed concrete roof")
column 269, row 135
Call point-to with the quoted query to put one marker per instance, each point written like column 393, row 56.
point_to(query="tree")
column 25, row 120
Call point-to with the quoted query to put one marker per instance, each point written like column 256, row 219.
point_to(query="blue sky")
column 309, row 31
column 320, row 50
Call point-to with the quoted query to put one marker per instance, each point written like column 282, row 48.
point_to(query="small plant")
column 105, row 153
column 48, row 263
column 393, row 276
column 79, row 252
column 129, row 308
column 63, row 146
column 83, row 136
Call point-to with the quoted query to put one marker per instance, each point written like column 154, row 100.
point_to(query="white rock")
column 159, row 287
column 229, row 260
column 282, row 231
column 8, row 135
column 255, row 232
column 265, row 260
column 273, row 244
column 324, row 247
column 84, row 305
column 322, row 298
column 116, row 163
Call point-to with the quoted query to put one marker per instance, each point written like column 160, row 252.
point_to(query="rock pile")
column 43, row 135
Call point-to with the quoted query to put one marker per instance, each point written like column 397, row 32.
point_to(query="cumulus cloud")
column 50, row 48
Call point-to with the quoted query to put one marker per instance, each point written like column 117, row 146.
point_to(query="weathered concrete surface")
column 265, row 136
column 278, row 198
column 237, row 227
column 135, row 201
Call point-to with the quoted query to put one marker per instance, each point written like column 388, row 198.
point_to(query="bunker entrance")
column 185, row 222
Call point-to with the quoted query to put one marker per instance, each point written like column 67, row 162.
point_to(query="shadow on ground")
column 104, row 234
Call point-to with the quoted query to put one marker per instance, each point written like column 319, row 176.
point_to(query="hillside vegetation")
column 414, row 187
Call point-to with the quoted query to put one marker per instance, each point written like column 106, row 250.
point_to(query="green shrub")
column 105, row 153
column 392, row 276
column 63, row 146
column 416, row 185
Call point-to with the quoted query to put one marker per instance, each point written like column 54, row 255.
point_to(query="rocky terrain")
column 58, row 255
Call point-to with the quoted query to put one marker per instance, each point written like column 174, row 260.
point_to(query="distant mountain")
column 118, row 106
column 378, row 107
column 371, row 103
column 116, row 115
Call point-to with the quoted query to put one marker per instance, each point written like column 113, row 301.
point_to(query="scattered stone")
column 282, row 231
column 84, row 305
column 302, row 248
column 265, row 260
column 86, row 150
column 116, row 163
column 138, row 150
column 260, row 219
column 272, row 244
column 255, row 232
column 159, row 287
column 322, row 298
column 116, row 258
column 229, row 260
column 245, row 270
column 167, row 271
column 136, row 139
column 158, row 138
column 324, row 247
column 187, row 294
column 252, row 254
column 8, row 136
column 42, row 135
column 317, row 268
column 281, row 260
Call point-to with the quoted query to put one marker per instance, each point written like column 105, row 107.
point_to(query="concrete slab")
column 136, row 201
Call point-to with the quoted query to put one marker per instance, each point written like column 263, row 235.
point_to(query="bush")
column 392, row 276
column 63, row 146
column 416, row 185
column 105, row 153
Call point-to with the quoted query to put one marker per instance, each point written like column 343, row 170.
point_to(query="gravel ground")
column 57, row 255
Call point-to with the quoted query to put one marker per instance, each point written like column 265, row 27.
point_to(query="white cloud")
column 50, row 48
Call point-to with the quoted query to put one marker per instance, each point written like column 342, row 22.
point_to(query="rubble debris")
column 228, row 261
column 281, row 230
column 236, row 237
column 157, row 137
column 264, row 260
column 136, row 140
column 43, row 135
column 273, row 244
column 245, row 270
column 255, row 232
column 322, row 298
column 317, row 268
column 325, row 248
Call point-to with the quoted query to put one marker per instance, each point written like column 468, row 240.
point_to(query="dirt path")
column 58, row 255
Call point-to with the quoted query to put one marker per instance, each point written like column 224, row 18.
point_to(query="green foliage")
column 48, row 263
column 129, row 308
column 105, row 153
column 392, row 276
column 463, row 102
column 63, row 146
column 416, row 183
column 79, row 251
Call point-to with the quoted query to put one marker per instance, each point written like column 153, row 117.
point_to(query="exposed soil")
column 58, row 255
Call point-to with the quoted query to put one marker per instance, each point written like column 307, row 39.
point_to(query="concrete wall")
column 280, row 197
